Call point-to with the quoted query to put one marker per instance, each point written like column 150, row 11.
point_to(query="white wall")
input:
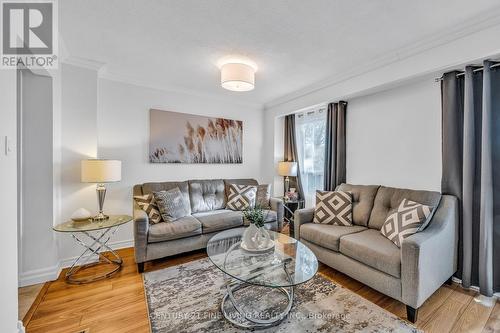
column 109, row 119
column 8, row 203
column 394, row 137
column 123, row 123
column 38, row 252
column 427, row 64
column 78, row 141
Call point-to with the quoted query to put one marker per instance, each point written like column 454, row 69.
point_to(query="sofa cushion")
column 363, row 197
column 409, row 218
column 164, row 231
column 171, row 204
column 371, row 248
column 206, row 195
column 333, row 207
column 242, row 181
column 149, row 188
column 241, row 197
column 148, row 204
column 389, row 198
column 327, row 235
column 217, row 220
column 263, row 196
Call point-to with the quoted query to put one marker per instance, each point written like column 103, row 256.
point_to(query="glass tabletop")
column 89, row 225
column 290, row 262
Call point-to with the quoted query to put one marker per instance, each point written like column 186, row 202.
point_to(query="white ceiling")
column 175, row 44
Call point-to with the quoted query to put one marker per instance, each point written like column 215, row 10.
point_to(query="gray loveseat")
column 409, row 274
column 208, row 216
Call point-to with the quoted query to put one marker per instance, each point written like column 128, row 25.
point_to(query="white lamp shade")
column 237, row 77
column 287, row 169
column 101, row 171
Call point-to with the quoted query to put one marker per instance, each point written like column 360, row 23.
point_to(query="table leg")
column 95, row 247
column 248, row 320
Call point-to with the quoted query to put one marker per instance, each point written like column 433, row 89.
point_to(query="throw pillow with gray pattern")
column 333, row 207
column 148, row 204
column 241, row 197
column 263, row 196
column 409, row 218
column 171, row 204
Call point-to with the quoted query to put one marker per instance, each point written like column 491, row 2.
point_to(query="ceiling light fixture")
column 237, row 75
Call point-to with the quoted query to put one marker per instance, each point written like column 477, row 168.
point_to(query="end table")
column 290, row 207
column 93, row 236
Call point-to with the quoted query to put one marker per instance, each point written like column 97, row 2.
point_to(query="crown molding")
column 83, row 63
column 107, row 75
column 474, row 25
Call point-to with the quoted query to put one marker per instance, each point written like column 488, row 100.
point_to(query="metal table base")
column 247, row 320
column 94, row 245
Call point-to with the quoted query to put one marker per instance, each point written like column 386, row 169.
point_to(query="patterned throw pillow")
column 148, row 204
column 241, row 197
column 410, row 217
column 263, row 196
column 171, row 204
column 333, row 208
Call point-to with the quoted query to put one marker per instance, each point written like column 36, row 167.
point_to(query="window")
column 310, row 133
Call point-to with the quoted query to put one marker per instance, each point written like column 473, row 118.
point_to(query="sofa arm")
column 302, row 216
column 429, row 258
column 277, row 206
column 141, row 226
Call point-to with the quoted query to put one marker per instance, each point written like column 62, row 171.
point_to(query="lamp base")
column 101, row 194
column 100, row 217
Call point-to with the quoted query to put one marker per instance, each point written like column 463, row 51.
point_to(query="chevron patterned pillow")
column 409, row 218
column 148, row 204
column 333, row 208
column 241, row 197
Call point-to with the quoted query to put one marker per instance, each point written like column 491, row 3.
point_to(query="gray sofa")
column 208, row 216
column 409, row 274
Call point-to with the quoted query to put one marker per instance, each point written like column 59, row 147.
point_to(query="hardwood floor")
column 26, row 297
column 118, row 304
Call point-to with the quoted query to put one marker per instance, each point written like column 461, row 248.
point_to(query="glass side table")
column 93, row 236
column 290, row 207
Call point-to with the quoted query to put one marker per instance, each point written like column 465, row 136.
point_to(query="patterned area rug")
column 186, row 298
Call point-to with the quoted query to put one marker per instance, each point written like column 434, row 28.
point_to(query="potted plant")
column 256, row 237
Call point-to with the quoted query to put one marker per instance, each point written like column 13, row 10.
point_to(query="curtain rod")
column 479, row 69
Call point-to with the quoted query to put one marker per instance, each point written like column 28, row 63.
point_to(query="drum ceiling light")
column 237, row 75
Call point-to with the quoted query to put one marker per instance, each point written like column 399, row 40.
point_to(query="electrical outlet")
column 9, row 146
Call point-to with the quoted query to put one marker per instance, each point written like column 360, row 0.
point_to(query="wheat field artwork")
column 187, row 138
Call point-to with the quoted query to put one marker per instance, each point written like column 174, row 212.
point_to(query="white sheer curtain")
column 310, row 127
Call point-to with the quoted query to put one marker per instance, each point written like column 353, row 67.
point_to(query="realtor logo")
column 28, row 34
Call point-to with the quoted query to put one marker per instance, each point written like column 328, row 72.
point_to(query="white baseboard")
column 40, row 275
column 20, row 327
column 63, row 263
column 52, row 273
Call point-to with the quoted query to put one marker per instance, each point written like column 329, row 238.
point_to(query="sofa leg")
column 449, row 281
column 411, row 314
column 140, row 267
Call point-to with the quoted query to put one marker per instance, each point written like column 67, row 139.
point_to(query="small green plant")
column 255, row 215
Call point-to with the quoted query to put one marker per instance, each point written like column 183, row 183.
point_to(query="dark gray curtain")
column 291, row 152
column 471, row 170
column 335, row 160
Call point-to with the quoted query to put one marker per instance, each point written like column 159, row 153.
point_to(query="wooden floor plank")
column 493, row 323
column 118, row 304
column 474, row 318
column 443, row 318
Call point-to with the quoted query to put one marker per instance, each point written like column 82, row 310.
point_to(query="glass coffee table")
column 260, row 277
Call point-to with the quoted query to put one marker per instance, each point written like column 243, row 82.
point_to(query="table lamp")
column 287, row 169
column 101, row 171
